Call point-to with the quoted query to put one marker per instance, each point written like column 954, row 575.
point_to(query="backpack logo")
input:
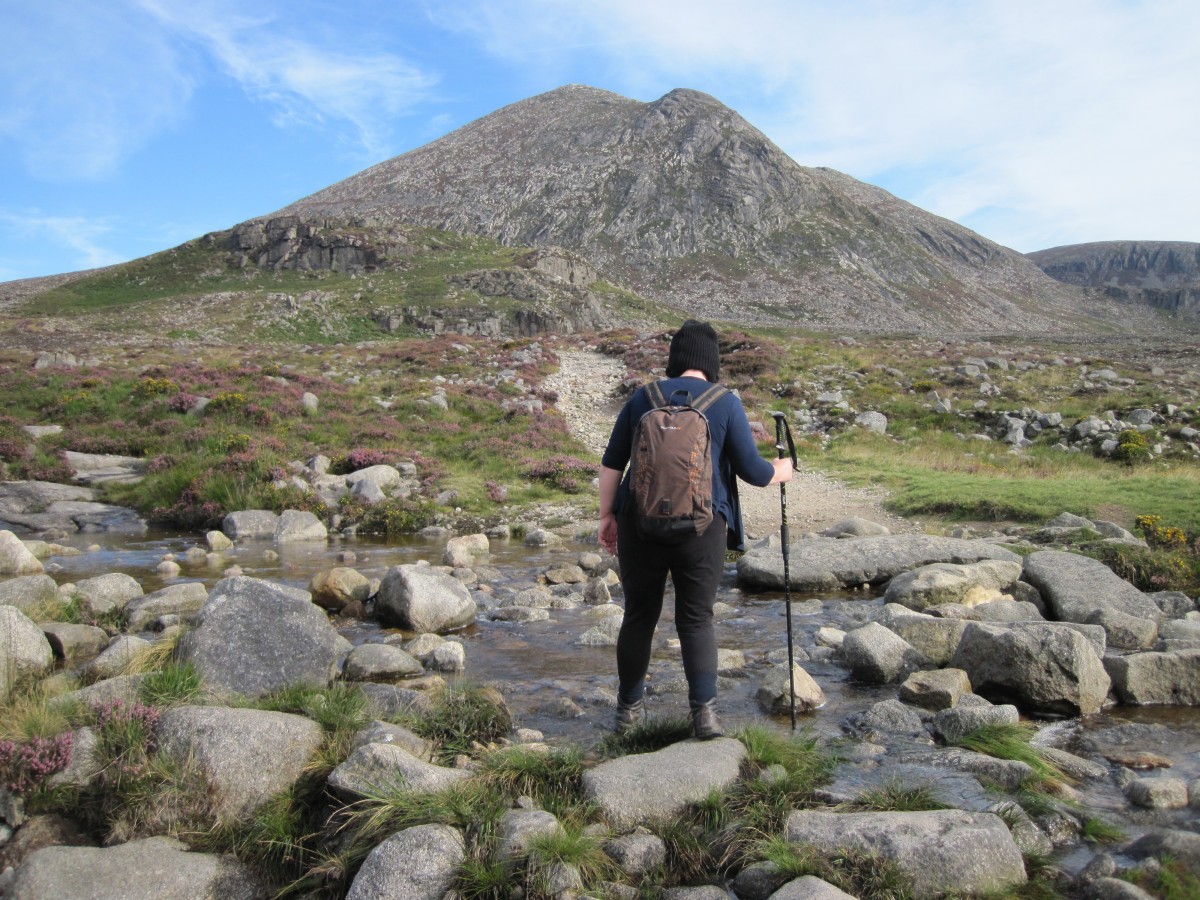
column 671, row 465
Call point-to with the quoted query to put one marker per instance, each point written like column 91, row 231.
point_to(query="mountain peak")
column 684, row 201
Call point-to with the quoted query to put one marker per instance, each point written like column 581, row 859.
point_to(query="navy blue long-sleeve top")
column 734, row 453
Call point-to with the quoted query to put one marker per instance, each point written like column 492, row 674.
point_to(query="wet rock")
column 936, row 689
column 773, row 694
column 417, row 599
column 1043, row 668
column 1156, row 678
column 952, row 725
column 887, row 720
column 335, row 588
column 940, row 850
column 565, row 575
column 418, row 863
column 648, row 786
column 1117, row 889
column 1181, row 845
column 466, row 551
column 821, row 563
column 1010, row 774
column 876, row 655
column 1158, row 793
column 596, row 592
column 969, row 584
column 933, row 638
column 250, row 524
column 247, row 756
column 145, row 869
column 1074, row 766
column 518, row 614
column 217, row 541
column 297, row 525
column 255, row 637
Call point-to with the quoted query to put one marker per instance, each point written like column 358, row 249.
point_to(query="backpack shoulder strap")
column 654, row 392
column 708, row 397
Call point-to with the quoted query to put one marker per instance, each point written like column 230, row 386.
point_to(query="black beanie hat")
column 694, row 346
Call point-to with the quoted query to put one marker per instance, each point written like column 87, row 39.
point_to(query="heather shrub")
column 25, row 765
column 567, row 473
column 356, row 459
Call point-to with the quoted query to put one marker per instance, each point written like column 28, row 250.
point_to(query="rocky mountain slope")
column 1162, row 274
column 684, row 201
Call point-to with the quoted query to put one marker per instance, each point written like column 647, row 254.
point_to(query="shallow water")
column 541, row 664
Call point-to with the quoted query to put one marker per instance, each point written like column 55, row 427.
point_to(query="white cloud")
column 1066, row 121
column 81, row 238
column 301, row 79
column 82, row 85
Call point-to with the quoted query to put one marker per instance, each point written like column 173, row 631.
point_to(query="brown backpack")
column 671, row 465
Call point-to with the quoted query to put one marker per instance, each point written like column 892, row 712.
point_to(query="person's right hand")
column 783, row 471
column 607, row 535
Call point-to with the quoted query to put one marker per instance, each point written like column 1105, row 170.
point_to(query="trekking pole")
column 784, row 445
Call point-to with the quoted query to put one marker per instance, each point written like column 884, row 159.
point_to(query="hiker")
column 695, row 561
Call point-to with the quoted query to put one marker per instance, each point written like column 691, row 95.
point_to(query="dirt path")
column 586, row 383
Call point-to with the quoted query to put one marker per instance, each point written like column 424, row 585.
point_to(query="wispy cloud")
column 1048, row 121
column 83, row 239
column 83, row 85
column 299, row 77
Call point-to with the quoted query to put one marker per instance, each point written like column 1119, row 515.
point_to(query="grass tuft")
column 853, row 871
column 896, row 796
column 653, row 733
column 1011, row 741
column 463, row 720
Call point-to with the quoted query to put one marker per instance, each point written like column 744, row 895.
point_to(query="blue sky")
column 130, row 126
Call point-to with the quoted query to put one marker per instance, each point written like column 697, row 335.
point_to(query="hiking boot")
column 630, row 715
column 705, row 725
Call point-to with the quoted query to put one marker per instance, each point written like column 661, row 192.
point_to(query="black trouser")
column 695, row 566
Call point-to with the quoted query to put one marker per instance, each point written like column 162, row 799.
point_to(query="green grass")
column 172, row 684
column 1174, row 880
column 858, row 874
column 653, row 733
column 897, row 797
column 463, row 717
column 551, row 776
column 1011, row 741
column 1097, row 831
column 569, row 846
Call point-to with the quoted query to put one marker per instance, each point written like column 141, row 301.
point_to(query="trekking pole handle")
column 783, row 438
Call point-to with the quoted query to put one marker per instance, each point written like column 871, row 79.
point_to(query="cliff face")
column 682, row 200
column 1161, row 274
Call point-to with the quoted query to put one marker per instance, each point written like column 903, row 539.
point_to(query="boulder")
column 644, row 787
column 518, row 829
column 772, row 694
column 1043, row 668
column 854, row 527
column 969, row 584
column 15, row 557
column 334, row 588
column 183, row 600
column 1143, row 679
column 379, row 767
column 296, row 525
column 389, row 700
column 117, row 658
column 74, row 642
column 247, row 756
column 1158, row 793
column 255, row 637
column 952, row 725
column 156, row 868
column 418, row 599
column 941, row 851
column 1076, row 587
column 418, row 863
column 250, row 524
column 1008, row 774
column 1123, row 631
column 383, row 477
column 24, row 650
column 217, row 541
column 379, row 732
column 380, row 662
column 937, row 689
column 872, row 421
column 935, row 639
column 638, row 852
column 106, row 593
column 820, row 563
column 876, row 655
column 466, row 550
column 28, row 591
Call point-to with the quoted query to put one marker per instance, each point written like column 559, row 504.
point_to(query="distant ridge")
column 684, row 201
column 1162, row 274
